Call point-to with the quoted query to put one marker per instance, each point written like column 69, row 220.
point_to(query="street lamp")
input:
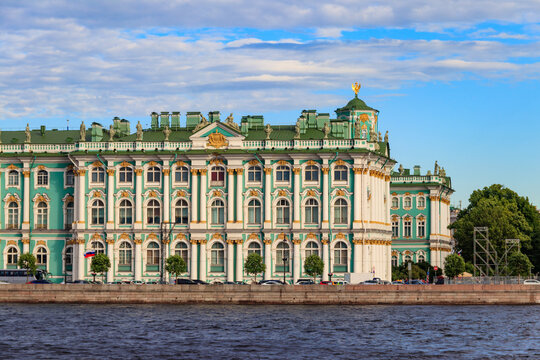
column 330, row 276
column 284, row 268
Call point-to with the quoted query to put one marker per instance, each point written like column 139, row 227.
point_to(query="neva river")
column 268, row 332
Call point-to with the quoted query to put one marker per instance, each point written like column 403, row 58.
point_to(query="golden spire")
column 356, row 87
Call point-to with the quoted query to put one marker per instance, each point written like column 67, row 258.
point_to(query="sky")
column 454, row 81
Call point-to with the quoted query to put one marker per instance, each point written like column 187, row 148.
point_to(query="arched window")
column 407, row 202
column 153, row 213
column 125, row 212
column 341, row 210
column 395, row 202
column 41, row 257
column 181, row 175
column 407, row 225
column 70, row 178
column 152, row 256
column 181, row 212
column 68, row 217
column 421, row 258
column 311, row 173
column 312, row 211
column 394, row 261
column 421, row 202
column 43, row 178
column 13, row 215
column 254, row 174
column 407, row 258
column 153, row 175
column 254, row 212
column 283, row 212
column 97, row 175
column 12, row 257
column 42, row 215
column 13, row 178
column 125, row 175
column 283, row 257
column 217, row 176
column 68, row 258
column 341, row 173
column 283, row 173
column 181, row 249
column 97, row 213
column 312, row 249
column 217, row 257
column 218, row 212
column 124, row 258
column 254, row 247
column 340, row 257
column 98, row 247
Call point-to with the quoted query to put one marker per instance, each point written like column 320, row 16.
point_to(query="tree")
column 454, row 265
column 175, row 265
column 254, row 265
column 519, row 264
column 401, row 272
column 100, row 264
column 314, row 266
column 28, row 261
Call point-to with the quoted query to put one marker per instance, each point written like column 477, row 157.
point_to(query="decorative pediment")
column 41, row 198
column 152, row 163
column 283, row 162
column 180, row 237
column 340, row 162
column 340, row 236
column 216, row 161
column 124, row 236
column 97, row 164
column 12, row 167
column 180, row 163
column 217, row 193
column 41, row 167
column 311, row 162
column 216, row 136
column 217, row 236
column 96, row 236
column 68, row 198
column 310, row 193
column 181, row 193
column 311, row 236
column 341, row 192
column 125, row 164
column 253, row 236
column 254, row 162
column 282, row 236
column 12, row 198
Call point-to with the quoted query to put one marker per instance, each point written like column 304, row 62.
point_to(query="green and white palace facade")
column 213, row 191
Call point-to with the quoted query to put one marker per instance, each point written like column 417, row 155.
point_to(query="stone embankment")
column 274, row 294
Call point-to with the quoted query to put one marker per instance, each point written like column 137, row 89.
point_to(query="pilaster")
column 239, row 202
column 230, row 260
column 194, row 258
column 202, row 201
column 110, row 199
column 326, row 259
column 325, row 199
column 239, row 261
column 202, row 275
column 138, row 260
column 138, row 197
column 268, row 259
column 194, row 196
column 267, row 195
column 296, row 259
column 296, row 196
column 26, row 198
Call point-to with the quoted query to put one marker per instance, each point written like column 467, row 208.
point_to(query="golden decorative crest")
column 96, row 194
column 152, row 163
column 253, row 236
column 41, row 167
column 340, row 236
column 69, row 198
column 253, row 193
column 253, row 162
column 282, row 162
column 124, row 236
column 180, row 193
column 97, row 164
column 282, row 193
column 364, row 118
column 340, row 193
column 180, row 237
column 311, row 193
column 151, row 236
column 216, row 161
column 217, row 236
column 11, row 198
column 282, row 236
column 311, row 236
column 340, row 162
column 124, row 194
column 216, row 193
column 152, row 193
column 311, row 162
column 125, row 164
column 110, row 172
column 180, row 163
column 96, row 236
column 12, row 167
column 217, row 140
column 41, row 198
column 12, row 242
column 356, row 87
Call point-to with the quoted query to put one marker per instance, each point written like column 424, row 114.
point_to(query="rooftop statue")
column 112, row 132
column 326, row 130
column 229, row 121
column 268, row 130
column 386, row 137
column 436, row 168
column 357, row 129
column 139, row 131
column 28, row 135
column 166, row 132
column 297, row 130
column 400, row 169
column 82, row 132
column 202, row 123
column 380, row 136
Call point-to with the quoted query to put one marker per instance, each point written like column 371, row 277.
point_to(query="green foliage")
column 28, row 261
column 453, row 265
column 401, row 272
column 254, row 265
column 314, row 266
column 506, row 214
column 175, row 265
column 519, row 264
column 469, row 267
column 100, row 264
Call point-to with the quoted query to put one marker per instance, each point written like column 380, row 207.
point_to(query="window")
column 13, row 215
column 341, row 173
column 407, row 202
column 97, row 212
column 407, row 227
column 217, row 257
column 124, row 254
column 283, row 257
column 283, row 212
column 421, row 202
column 152, row 256
column 42, row 215
column 340, row 257
column 97, row 176
column 254, row 174
column 153, row 175
column 282, row 173
column 421, row 258
column 395, row 228
column 254, row 248
column 421, row 230
column 218, row 212
column 181, row 174
column 68, row 258
column 68, row 217
column 125, row 175
column 98, row 247
column 153, row 213
column 311, row 173
column 312, row 249
column 341, row 212
column 125, row 212
column 43, row 178
column 70, row 178
column 41, row 257
column 12, row 256
column 217, row 176
column 312, row 211
column 181, row 249
column 13, row 178
column 407, row 258
column 254, row 212
column 395, row 202
column 394, row 261
column 181, row 214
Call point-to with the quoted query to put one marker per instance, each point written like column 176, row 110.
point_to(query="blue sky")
column 455, row 81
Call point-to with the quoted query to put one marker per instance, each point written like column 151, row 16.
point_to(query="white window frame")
column 254, row 169
column 177, row 168
column 211, row 208
column 187, row 206
column 145, row 212
column 99, row 171
column 150, row 169
column 217, row 183
column 17, row 176
column 276, row 204
column 36, row 215
column 91, row 207
column 275, row 172
column 17, row 225
column 248, row 207
column 313, row 169
column 125, row 183
column 305, row 211
column 120, row 201
column 66, row 185
column 47, row 177
column 333, row 210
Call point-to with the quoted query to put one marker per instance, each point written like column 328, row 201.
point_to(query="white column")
column 81, row 223
column 110, row 199
column 268, row 259
column 75, row 262
column 326, row 259
column 325, row 189
column 230, row 260
column 194, row 196
column 365, row 253
column 267, row 198
column 26, row 200
column 80, row 262
column 110, row 254
column 357, row 256
column 230, row 197
column 357, row 198
column 193, row 267
column 138, row 260
column 239, row 202
column 373, row 200
column 165, row 249
column 364, row 197
column 202, row 202
column 296, row 198
column 138, row 198
column 296, row 260
column 239, row 261
column 166, row 196
column 202, row 275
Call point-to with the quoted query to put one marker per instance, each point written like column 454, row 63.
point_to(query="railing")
column 488, row 280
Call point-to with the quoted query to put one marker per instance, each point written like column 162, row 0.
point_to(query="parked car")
column 200, row 282
column 325, row 282
column 42, row 281
column 440, row 280
column 397, row 282
column 185, row 282
column 137, row 282
column 271, row 282
column 80, row 282
column 304, row 282
column 370, row 282
column 531, row 282
column 340, row 282
column 152, row 282
column 416, row 282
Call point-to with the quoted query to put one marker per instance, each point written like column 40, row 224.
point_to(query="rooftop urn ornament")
column 139, row 131
column 82, row 132
column 400, row 169
column 326, row 130
column 229, row 121
column 386, row 137
column 297, row 130
column 166, row 132
column 28, row 135
column 436, row 168
column 268, row 130
column 112, row 132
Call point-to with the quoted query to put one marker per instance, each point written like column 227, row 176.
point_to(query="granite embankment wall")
column 276, row 294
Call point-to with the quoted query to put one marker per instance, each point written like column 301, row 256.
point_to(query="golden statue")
column 217, row 140
column 356, row 87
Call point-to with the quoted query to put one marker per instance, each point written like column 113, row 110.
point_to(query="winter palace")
column 213, row 190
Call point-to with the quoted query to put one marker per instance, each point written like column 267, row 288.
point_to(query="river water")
column 268, row 332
